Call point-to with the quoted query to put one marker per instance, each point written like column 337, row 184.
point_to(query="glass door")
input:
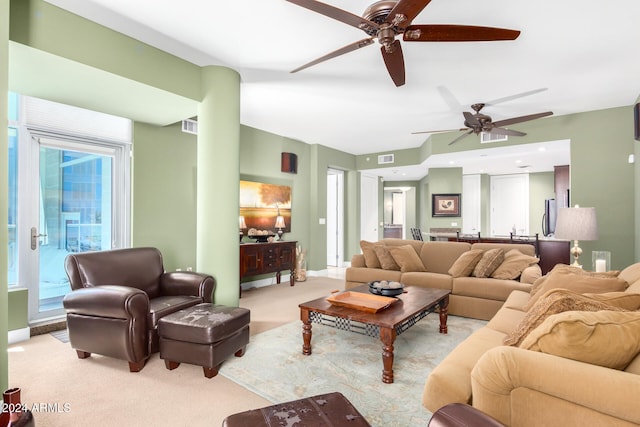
column 71, row 212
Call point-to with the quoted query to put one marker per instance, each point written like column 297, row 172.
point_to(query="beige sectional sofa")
column 477, row 297
column 560, row 374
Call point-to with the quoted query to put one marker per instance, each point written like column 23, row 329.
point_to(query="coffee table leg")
column 444, row 311
column 388, row 337
column 306, row 332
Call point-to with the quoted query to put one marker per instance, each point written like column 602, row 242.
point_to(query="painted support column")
column 218, row 179
column 4, row 196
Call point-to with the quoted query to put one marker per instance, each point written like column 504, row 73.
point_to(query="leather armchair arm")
column 188, row 283
column 119, row 302
column 564, row 390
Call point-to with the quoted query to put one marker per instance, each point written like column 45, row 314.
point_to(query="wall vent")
column 385, row 159
column 190, row 126
column 491, row 137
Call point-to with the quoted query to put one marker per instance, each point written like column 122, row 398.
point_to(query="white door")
column 369, row 208
column 471, row 202
column 335, row 217
column 509, row 204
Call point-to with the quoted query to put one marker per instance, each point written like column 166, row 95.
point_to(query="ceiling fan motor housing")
column 378, row 11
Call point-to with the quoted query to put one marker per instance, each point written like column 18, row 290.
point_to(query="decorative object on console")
column 445, row 205
column 243, row 226
column 13, row 412
column 280, row 225
column 601, row 261
column 301, row 264
column 577, row 224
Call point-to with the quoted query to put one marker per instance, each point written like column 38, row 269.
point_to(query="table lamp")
column 576, row 224
column 243, row 226
column 280, row 225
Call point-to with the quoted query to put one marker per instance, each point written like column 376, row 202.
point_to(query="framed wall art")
column 445, row 204
column 261, row 203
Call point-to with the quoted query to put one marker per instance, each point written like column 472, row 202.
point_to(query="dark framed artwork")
column 261, row 203
column 445, row 204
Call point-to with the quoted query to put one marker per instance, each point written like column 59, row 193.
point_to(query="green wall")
column 18, row 319
column 164, row 193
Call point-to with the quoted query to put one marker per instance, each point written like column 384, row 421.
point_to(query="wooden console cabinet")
column 263, row 258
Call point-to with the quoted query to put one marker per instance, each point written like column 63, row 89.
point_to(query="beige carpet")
column 100, row 391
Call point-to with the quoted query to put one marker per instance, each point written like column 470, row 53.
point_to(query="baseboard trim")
column 18, row 335
column 284, row 278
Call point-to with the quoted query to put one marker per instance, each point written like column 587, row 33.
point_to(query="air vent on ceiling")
column 491, row 137
column 384, row 159
column 190, row 126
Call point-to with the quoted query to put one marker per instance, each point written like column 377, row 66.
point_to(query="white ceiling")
column 583, row 53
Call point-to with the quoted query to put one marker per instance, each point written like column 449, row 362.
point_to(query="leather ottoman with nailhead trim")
column 205, row 335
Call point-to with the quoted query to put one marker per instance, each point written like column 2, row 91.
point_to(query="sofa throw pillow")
column 386, row 260
column 513, row 265
column 559, row 268
column 407, row 258
column 604, row 338
column 553, row 302
column 464, row 265
column 578, row 281
column 370, row 257
column 490, row 260
column 627, row 300
column 531, row 274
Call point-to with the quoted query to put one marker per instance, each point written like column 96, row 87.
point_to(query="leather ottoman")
column 205, row 335
column 324, row 410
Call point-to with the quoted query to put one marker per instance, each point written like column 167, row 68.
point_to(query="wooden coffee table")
column 413, row 305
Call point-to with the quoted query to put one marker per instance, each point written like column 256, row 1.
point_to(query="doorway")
column 509, row 204
column 68, row 193
column 369, row 208
column 335, row 218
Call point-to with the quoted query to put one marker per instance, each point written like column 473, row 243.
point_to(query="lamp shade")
column 280, row 222
column 242, row 222
column 577, row 224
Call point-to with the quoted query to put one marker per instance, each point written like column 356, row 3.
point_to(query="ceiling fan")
column 384, row 20
column 479, row 122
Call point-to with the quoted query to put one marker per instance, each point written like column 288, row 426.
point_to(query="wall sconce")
column 576, row 224
column 280, row 225
column 243, row 226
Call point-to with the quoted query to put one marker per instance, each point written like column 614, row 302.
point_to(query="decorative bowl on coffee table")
column 386, row 288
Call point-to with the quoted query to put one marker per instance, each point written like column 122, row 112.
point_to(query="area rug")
column 275, row 368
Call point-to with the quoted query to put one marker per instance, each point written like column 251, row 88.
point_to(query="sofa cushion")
column 604, row 338
column 358, row 276
column 407, row 258
column 487, row 288
column 631, row 274
column 370, row 257
column 427, row 279
column 513, row 265
column 578, row 281
column 490, row 260
column 553, row 302
column 386, row 260
column 438, row 257
column 464, row 265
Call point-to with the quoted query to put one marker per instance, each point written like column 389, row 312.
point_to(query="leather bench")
column 328, row 410
column 204, row 335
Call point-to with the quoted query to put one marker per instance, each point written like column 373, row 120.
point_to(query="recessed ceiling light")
column 518, row 161
column 542, row 149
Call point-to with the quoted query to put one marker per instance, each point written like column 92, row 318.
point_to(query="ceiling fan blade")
column 521, row 119
column 349, row 18
column 501, row 131
column 470, row 119
column 457, row 33
column 469, row 132
column 436, row 131
column 394, row 61
column 518, row 95
column 407, row 8
column 349, row 48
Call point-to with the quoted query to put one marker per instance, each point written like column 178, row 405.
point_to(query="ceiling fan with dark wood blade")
column 479, row 122
column 386, row 19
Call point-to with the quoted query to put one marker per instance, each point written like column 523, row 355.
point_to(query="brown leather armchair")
column 117, row 298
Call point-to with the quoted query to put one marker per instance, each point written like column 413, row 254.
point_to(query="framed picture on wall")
column 445, row 204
